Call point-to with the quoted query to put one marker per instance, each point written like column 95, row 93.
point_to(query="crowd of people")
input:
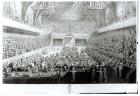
column 58, row 42
column 41, row 62
column 69, row 59
column 13, row 46
column 80, row 42
column 114, row 48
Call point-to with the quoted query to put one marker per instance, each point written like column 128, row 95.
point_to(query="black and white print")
column 85, row 42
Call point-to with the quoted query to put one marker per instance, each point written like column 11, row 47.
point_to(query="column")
column 74, row 41
column 63, row 41
column 52, row 41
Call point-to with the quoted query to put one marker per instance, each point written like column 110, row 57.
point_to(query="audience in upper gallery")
column 115, row 45
column 13, row 46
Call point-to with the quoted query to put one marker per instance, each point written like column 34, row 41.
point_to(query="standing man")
column 73, row 73
column 92, row 69
column 120, row 67
column 97, row 72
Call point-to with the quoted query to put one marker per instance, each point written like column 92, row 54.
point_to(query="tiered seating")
column 68, row 56
column 13, row 46
column 115, row 46
column 58, row 42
